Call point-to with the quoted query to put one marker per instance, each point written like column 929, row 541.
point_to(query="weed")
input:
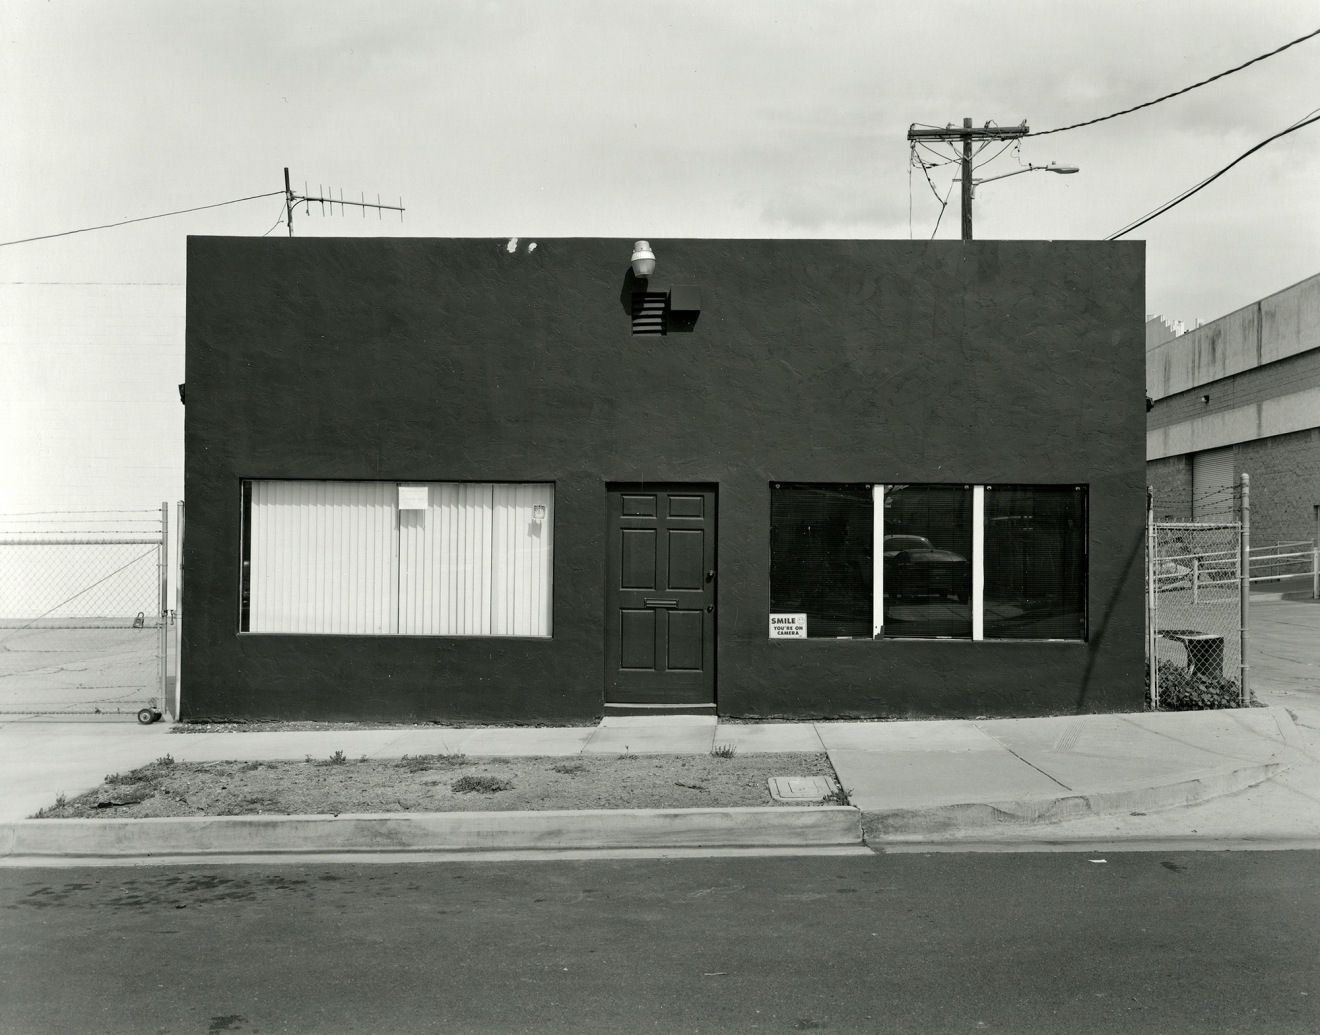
column 569, row 768
column 724, row 750
column 1182, row 691
column 838, row 796
column 481, row 784
column 421, row 763
column 46, row 813
column 338, row 758
column 145, row 774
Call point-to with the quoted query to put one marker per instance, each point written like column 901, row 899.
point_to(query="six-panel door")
column 660, row 595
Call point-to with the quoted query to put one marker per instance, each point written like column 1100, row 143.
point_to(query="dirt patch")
column 438, row 783
column 318, row 726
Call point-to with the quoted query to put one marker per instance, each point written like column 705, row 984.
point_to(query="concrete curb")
column 980, row 819
column 434, row 831
column 945, row 822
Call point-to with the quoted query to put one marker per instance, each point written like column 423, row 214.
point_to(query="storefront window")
column 994, row 562
column 820, row 557
column 379, row 558
column 928, row 560
column 1035, row 562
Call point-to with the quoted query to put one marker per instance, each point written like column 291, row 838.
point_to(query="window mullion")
column 878, row 561
column 978, row 562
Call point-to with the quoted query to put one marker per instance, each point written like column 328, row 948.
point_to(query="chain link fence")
column 1197, row 601
column 83, row 616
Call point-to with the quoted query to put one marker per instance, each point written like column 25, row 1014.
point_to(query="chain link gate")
column 1197, row 599
column 84, row 617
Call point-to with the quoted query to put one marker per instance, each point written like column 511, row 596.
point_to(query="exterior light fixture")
column 643, row 259
column 969, row 189
column 1053, row 167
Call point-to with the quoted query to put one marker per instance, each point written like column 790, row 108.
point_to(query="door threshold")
column 660, row 711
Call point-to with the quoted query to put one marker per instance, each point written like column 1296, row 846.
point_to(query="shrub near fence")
column 1196, row 615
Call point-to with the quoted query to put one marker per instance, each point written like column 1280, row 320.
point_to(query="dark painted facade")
column 810, row 361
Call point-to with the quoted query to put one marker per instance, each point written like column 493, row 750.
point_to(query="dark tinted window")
column 1035, row 562
column 820, row 556
column 927, row 564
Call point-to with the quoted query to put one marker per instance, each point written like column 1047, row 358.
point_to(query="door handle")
column 653, row 602
column 710, row 576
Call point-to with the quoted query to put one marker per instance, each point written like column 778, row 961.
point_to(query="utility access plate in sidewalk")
column 801, row 788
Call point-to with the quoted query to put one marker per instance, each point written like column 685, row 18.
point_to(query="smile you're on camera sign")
column 788, row 627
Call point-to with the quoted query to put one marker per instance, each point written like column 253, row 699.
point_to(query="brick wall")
column 1285, row 485
column 1171, row 481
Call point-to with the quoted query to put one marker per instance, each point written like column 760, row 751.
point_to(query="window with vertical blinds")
column 451, row 559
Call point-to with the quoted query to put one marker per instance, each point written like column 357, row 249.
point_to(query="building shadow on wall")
column 1093, row 648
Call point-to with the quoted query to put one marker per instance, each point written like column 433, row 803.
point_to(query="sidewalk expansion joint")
column 1053, row 779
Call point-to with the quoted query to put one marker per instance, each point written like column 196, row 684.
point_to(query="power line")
column 140, row 219
column 925, row 170
column 278, row 220
column 1177, row 93
column 94, row 283
column 1208, row 180
column 943, row 205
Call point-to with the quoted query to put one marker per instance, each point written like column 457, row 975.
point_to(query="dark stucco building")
column 513, row 480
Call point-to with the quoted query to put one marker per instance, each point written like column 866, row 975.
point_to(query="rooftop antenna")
column 292, row 201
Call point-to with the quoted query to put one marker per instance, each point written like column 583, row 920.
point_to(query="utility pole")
column 967, row 134
column 292, row 200
column 288, row 202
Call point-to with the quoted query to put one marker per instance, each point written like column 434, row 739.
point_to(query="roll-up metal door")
column 1212, row 486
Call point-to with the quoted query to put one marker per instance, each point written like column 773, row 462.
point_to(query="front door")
column 660, row 596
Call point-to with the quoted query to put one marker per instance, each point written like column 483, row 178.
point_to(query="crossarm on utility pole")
column 967, row 134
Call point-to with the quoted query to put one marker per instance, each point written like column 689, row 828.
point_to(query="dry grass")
column 438, row 783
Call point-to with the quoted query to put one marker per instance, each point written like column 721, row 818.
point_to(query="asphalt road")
column 1189, row 942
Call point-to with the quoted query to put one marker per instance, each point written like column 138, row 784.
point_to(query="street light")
column 1053, row 167
column 969, row 190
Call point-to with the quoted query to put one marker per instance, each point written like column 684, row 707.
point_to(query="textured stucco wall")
column 862, row 361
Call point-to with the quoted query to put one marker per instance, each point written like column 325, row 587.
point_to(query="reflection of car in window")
column 914, row 567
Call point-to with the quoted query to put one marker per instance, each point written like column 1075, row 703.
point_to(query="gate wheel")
column 147, row 716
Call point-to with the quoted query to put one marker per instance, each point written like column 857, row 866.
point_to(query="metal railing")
column 1287, row 561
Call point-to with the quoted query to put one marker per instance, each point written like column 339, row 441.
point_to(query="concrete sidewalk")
column 921, row 781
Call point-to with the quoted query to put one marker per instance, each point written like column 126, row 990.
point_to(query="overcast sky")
column 727, row 118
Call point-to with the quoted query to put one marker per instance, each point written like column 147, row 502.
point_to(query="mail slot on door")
column 660, row 603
